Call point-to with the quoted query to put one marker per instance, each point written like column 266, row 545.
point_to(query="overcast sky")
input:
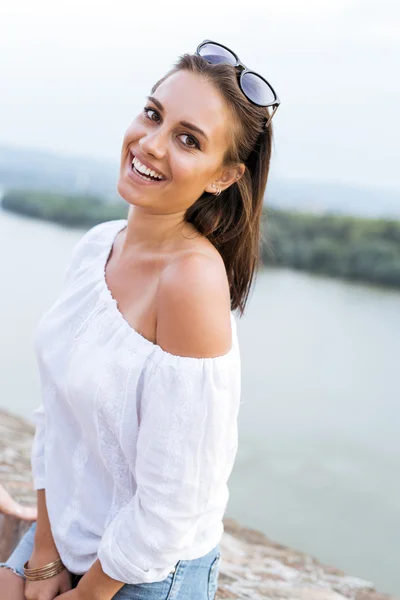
column 74, row 74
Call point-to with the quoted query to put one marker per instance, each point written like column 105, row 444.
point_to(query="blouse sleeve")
column 37, row 453
column 185, row 452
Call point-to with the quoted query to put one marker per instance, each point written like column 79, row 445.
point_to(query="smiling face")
column 182, row 136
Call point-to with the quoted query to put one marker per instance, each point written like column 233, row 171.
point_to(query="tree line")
column 353, row 248
column 337, row 245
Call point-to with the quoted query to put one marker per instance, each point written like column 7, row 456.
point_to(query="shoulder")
column 193, row 306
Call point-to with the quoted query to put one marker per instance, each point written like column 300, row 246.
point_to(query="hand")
column 79, row 594
column 46, row 589
column 75, row 594
column 8, row 506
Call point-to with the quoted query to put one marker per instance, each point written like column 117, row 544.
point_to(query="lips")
column 139, row 179
column 148, row 166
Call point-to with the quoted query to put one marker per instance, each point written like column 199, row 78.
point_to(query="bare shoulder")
column 193, row 306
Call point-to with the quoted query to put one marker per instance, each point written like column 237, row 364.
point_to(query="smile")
column 144, row 172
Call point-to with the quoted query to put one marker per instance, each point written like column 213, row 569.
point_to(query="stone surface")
column 252, row 566
column 255, row 567
column 15, row 475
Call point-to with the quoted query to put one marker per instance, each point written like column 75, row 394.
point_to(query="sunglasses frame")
column 242, row 69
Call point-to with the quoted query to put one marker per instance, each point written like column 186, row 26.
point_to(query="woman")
column 139, row 357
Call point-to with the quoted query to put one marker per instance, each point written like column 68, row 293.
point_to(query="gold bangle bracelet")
column 51, row 565
column 45, row 572
column 42, row 577
column 47, row 575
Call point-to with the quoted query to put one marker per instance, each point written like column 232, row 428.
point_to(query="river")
column 319, row 457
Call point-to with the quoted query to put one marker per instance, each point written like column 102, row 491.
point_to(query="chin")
column 131, row 195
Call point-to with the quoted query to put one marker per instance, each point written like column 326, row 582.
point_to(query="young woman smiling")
column 139, row 359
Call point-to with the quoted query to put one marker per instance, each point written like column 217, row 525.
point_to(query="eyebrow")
column 183, row 123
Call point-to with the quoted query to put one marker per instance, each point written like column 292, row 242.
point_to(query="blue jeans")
column 191, row 580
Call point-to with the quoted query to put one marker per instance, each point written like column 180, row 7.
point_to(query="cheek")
column 188, row 169
column 133, row 132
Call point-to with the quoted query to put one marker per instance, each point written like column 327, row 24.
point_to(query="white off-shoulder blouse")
column 133, row 445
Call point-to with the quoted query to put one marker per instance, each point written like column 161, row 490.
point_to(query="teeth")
column 145, row 170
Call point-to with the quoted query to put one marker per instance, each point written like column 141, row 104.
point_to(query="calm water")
column 319, row 460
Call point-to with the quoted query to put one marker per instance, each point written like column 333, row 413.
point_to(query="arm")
column 187, row 440
column 43, row 536
column 44, row 542
column 45, row 552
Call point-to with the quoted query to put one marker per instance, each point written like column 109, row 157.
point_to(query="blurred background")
column 319, row 457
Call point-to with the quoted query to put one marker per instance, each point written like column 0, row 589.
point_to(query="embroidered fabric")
column 133, row 445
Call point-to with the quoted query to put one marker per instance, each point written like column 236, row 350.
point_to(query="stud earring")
column 217, row 193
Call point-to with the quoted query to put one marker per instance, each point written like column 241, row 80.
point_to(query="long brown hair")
column 231, row 221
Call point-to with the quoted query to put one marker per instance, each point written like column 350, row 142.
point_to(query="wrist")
column 44, row 572
column 96, row 585
column 92, row 592
column 44, row 540
column 42, row 554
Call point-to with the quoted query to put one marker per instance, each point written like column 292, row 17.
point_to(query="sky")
column 74, row 74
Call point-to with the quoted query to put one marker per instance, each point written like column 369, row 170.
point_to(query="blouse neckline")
column 148, row 345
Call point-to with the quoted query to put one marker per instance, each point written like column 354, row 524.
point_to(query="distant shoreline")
column 353, row 248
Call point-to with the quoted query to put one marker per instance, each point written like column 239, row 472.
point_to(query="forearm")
column 96, row 585
column 43, row 536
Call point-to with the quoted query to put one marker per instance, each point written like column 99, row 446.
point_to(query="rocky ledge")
column 252, row 566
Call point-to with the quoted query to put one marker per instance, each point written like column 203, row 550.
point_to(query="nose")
column 154, row 144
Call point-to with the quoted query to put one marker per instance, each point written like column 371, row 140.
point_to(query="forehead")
column 189, row 97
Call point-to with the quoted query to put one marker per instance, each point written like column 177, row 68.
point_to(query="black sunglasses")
column 256, row 89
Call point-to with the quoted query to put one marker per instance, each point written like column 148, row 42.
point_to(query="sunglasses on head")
column 256, row 89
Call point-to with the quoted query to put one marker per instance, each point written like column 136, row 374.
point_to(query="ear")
column 226, row 178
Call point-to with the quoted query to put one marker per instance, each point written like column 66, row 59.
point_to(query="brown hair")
column 231, row 221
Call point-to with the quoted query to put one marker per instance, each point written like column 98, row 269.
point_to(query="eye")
column 194, row 142
column 147, row 110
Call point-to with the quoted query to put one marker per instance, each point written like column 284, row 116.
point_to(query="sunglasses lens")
column 257, row 90
column 215, row 54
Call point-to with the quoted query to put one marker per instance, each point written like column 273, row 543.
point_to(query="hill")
column 39, row 170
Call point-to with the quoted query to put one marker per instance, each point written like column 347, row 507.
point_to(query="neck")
column 154, row 232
